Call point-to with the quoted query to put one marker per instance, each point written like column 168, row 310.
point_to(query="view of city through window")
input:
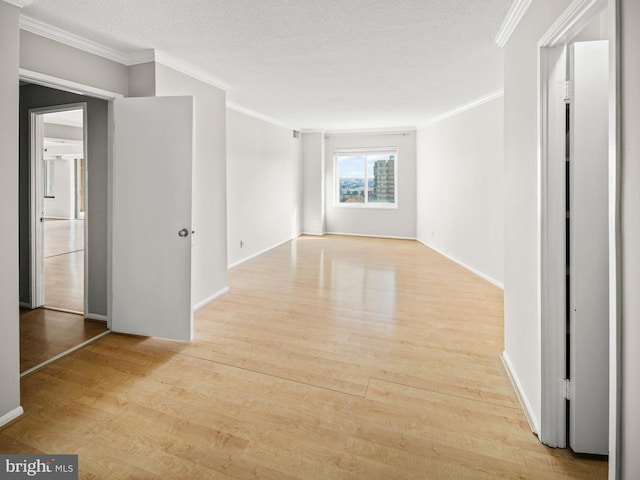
column 375, row 170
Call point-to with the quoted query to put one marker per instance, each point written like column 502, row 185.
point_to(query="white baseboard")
column 392, row 237
column 209, row 299
column 464, row 265
column 11, row 416
column 246, row 259
column 522, row 397
column 313, row 234
column 95, row 316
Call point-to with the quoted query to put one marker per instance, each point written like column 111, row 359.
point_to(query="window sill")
column 360, row 206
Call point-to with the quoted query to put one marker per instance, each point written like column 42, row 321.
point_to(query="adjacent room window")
column 366, row 178
column 49, row 172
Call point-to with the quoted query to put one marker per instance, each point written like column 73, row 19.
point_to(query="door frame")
column 550, row 245
column 82, row 89
column 36, row 206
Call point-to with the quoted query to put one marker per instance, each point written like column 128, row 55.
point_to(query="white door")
column 151, row 229
column 589, row 249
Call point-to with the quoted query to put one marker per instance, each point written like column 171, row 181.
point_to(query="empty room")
column 319, row 240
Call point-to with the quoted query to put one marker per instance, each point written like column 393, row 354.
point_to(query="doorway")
column 58, row 137
column 63, row 171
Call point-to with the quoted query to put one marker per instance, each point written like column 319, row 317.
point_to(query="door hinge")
column 568, row 91
column 566, row 389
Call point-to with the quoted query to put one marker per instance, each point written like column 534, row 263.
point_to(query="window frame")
column 365, row 151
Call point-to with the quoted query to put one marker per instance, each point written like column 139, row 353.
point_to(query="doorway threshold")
column 63, row 310
column 60, row 355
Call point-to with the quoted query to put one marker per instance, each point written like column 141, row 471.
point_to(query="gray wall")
column 264, row 196
column 35, row 96
column 42, row 55
column 522, row 328
column 400, row 222
column 630, row 80
column 209, row 200
column 9, row 311
column 460, row 175
column 142, row 80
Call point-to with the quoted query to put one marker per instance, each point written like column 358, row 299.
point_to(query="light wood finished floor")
column 47, row 333
column 330, row 358
column 64, row 264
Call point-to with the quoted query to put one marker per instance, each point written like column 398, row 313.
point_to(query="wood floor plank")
column 330, row 358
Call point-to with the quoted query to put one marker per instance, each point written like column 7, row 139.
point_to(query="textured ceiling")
column 312, row 64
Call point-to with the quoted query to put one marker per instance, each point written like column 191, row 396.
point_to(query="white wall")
column 460, row 178
column 264, row 185
column 209, row 255
column 630, row 79
column 313, row 167
column 381, row 222
column 522, row 328
column 63, row 203
column 9, row 310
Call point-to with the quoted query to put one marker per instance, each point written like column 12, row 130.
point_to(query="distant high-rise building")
column 384, row 183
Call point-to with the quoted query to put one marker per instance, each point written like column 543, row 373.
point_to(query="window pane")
column 381, row 168
column 351, row 178
column 49, row 190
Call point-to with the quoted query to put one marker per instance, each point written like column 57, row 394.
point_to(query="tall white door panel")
column 589, row 250
column 151, row 229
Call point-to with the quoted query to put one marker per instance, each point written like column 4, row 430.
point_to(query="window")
column 366, row 178
column 49, row 190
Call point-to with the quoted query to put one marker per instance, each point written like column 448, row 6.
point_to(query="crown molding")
column 20, row 3
column 188, row 69
column 128, row 59
column 467, row 106
column 574, row 19
column 143, row 56
column 514, row 15
column 252, row 113
column 58, row 35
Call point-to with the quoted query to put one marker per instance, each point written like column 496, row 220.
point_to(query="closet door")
column 151, row 217
column 589, row 249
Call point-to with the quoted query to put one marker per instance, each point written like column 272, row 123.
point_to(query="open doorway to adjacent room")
column 54, row 321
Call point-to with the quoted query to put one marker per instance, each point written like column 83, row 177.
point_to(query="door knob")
column 183, row 233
